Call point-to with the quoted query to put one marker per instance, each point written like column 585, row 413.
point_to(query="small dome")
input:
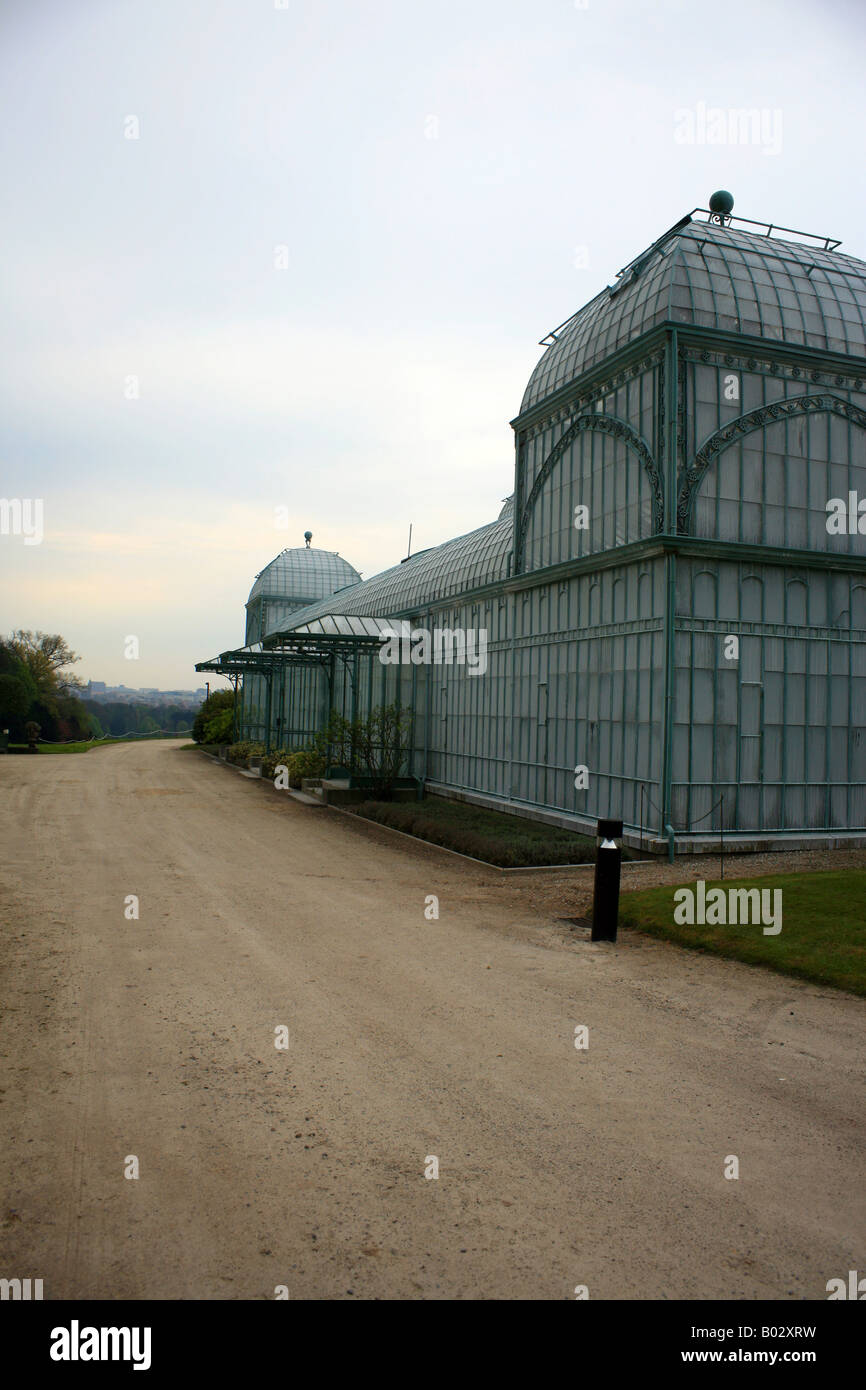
column 304, row 574
column 293, row 580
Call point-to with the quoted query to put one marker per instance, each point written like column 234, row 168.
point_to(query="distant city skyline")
column 102, row 691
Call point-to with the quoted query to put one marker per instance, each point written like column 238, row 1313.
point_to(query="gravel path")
column 408, row 1038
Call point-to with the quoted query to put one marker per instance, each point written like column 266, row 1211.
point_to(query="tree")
column 45, row 655
column 17, row 692
column 39, row 658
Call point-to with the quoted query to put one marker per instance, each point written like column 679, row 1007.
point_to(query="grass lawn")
column 823, row 936
column 509, row 842
column 83, row 746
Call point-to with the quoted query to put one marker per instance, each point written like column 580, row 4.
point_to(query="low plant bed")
column 509, row 842
column 823, row 925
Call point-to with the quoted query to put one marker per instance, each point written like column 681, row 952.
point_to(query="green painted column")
column 670, row 476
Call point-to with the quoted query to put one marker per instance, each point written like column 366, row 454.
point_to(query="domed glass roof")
column 303, row 575
column 721, row 277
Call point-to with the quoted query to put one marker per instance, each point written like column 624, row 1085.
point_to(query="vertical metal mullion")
column 671, row 573
column 270, row 682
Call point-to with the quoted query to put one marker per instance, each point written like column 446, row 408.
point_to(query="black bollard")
column 605, row 898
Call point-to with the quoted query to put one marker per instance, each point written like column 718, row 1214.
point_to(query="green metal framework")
column 318, row 648
column 605, row 647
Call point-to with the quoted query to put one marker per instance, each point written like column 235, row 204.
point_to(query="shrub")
column 375, row 746
column 336, row 742
column 381, row 742
column 239, row 752
column 271, row 761
column 301, row 763
column 218, row 729
column 217, row 703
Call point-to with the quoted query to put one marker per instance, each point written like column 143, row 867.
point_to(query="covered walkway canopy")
column 318, row 641
column 319, row 645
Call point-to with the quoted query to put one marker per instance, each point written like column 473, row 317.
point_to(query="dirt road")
column 408, row 1039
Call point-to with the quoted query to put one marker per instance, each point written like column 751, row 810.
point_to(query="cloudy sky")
column 299, row 255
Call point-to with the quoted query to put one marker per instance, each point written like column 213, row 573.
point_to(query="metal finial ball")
column 722, row 202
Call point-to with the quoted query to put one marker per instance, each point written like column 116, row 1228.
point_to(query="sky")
column 292, row 259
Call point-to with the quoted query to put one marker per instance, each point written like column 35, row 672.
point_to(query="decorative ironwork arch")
column 692, row 477
column 604, row 424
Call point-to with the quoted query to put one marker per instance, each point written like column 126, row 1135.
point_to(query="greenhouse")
column 673, row 598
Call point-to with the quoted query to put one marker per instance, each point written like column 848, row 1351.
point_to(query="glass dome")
column 293, row 580
column 304, row 573
column 720, row 277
